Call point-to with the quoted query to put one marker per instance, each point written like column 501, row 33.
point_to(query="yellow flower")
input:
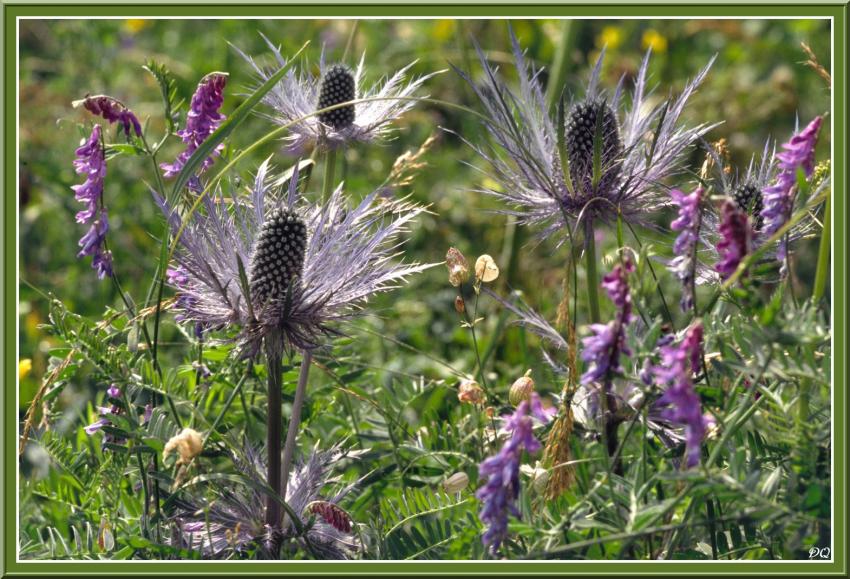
column 24, row 368
column 135, row 25
column 188, row 444
column 655, row 40
column 611, row 36
column 443, row 30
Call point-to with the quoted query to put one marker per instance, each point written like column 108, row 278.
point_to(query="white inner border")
column 505, row 18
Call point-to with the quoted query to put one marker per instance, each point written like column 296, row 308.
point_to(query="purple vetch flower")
column 112, row 392
column 603, row 348
column 554, row 186
column 91, row 162
column 201, row 121
column 113, row 111
column 736, row 239
column 687, row 223
column 778, row 199
column 501, row 490
column 336, row 256
column 680, row 401
column 299, row 94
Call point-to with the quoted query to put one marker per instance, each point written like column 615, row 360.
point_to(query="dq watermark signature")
column 819, row 553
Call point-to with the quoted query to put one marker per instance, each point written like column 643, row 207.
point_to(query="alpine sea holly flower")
column 680, row 401
column 736, row 239
column 91, row 162
column 201, row 121
column 602, row 350
column 311, row 265
column 294, row 100
column 233, row 521
column 688, row 225
column 113, row 111
column 599, row 161
column 778, row 199
column 501, row 490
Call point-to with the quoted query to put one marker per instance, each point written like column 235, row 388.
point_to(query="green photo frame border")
column 9, row 420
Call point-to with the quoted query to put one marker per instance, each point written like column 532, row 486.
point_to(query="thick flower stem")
column 328, row 177
column 592, row 272
column 274, row 368
column 295, row 420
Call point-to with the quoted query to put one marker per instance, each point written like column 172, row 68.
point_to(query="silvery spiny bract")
column 299, row 94
column 310, row 265
column 591, row 160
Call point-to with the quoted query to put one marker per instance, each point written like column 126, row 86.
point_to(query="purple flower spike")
column 500, row 492
column 113, row 111
column 202, row 121
column 91, row 162
column 602, row 349
column 736, row 239
column 688, row 225
column 678, row 363
column 778, row 199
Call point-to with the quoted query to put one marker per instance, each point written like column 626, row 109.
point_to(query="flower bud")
column 486, row 269
column 460, row 305
column 456, row 483
column 521, row 390
column 469, row 391
column 458, row 267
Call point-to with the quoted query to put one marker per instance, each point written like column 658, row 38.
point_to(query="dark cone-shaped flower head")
column 278, row 256
column 589, row 123
column 748, row 198
column 337, row 87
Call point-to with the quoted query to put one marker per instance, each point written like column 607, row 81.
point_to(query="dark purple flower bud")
column 91, row 162
column 202, row 121
column 500, row 492
column 602, row 349
column 113, row 111
column 337, row 87
column 687, row 224
column 778, row 199
column 678, row 363
column 736, row 239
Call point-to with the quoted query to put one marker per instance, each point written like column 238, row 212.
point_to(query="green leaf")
column 228, row 126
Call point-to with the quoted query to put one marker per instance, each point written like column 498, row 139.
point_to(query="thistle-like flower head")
column 275, row 264
column 592, row 160
column 299, row 94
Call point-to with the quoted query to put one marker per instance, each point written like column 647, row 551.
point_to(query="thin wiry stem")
column 295, row 419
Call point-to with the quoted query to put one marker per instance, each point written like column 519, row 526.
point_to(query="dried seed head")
column 486, row 269
column 521, row 390
column 337, row 87
column 469, row 391
column 188, row 444
column 582, row 125
column 456, row 483
column 278, row 255
column 748, row 198
column 458, row 267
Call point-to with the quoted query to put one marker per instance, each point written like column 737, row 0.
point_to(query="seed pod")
column 470, row 392
column 460, row 305
column 521, row 390
column 486, row 269
column 458, row 267
column 456, row 483
column 337, row 88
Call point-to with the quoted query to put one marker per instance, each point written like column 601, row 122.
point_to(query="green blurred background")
column 757, row 88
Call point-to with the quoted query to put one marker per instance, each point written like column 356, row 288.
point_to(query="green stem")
column 295, row 419
column 822, row 273
column 328, row 179
column 560, row 65
column 592, row 273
